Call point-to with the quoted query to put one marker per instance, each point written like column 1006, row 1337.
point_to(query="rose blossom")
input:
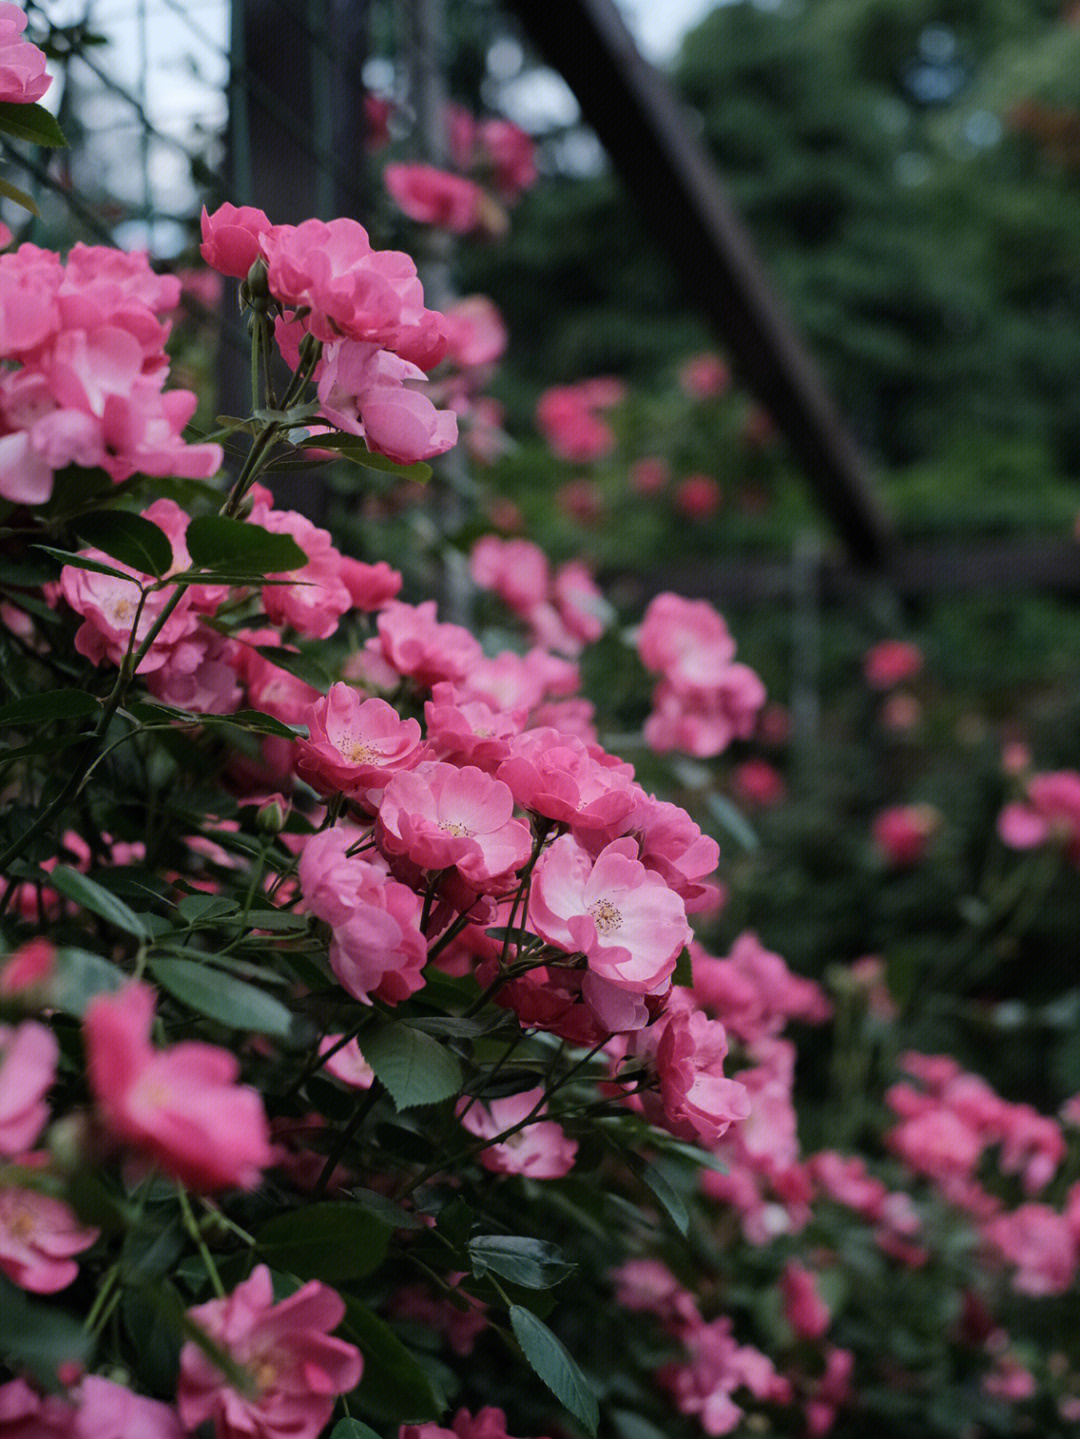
column 625, row 919
column 180, row 1107
column 28, row 1056
column 442, row 816
column 417, row 646
column 355, row 744
column 435, row 197
column 804, row 1308
column 296, row 1365
column 23, row 79
column 38, row 1237
column 541, row 1150
column 111, row 1411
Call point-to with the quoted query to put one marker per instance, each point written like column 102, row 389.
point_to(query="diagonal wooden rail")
column 663, row 163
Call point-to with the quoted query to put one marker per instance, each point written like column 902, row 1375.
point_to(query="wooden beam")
column 665, row 167
column 1048, row 565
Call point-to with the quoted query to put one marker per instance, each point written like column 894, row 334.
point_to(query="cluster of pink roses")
column 1048, row 813
column 704, row 699
column 82, row 371
column 570, row 418
column 486, row 154
column 564, row 611
column 366, row 307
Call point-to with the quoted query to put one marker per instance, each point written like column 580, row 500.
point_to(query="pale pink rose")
column 672, row 844
column 209, row 686
column 26, row 969
column 355, row 744
column 370, row 586
column 181, row 1108
column 441, row 816
column 230, row 238
column 1049, row 812
column 26, row 1415
column 22, row 66
column 686, row 641
column 648, row 1286
column 109, row 606
column 346, row 1063
column 804, row 1308
column 704, row 722
column 541, row 1150
column 556, row 776
column 621, row 916
column 1009, row 1380
column 1042, row 1245
column 314, row 604
column 696, row 1101
column 581, row 606
column 937, row 1143
column 845, row 1179
column 111, row 1411
column 475, row 332
column 831, row 1392
column 568, row 420
column 716, row 1367
column 704, row 377
column 38, row 1237
column 468, row 731
column 903, row 834
column 487, row 1424
column 753, row 991
column 270, row 688
column 418, row 647
column 508, row 681
column 891, row 662
column 28, row 1056
column 435, row 197
column 297, row 1367
column 517, row 571
column 366, row 391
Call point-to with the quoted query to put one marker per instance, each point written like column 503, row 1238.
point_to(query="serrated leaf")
column 217, row 542
column 551, row 1362
column 670, row 1199
column 39, row 1337
column 332, row 1241
column 84, row 562
column 394, row 1386
column 49, row 705
column 130, row 539
column 78, row 976
column 415, row 1068
column 302, row 666
column 532, row 1263
column 31, row 122
column 385, row 1209
column 100, row 901
column 219, row 996
column 352, row 1429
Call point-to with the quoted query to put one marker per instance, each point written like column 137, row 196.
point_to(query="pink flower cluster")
column 891, row 662
column 1049, row 813
column 564, row 612
column 22, row 66
column 570, row 418
column 704, row 699
column 365, row 305
column 82, row 371
column 488, row 1423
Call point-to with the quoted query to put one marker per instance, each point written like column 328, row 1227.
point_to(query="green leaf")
column 252, row 720
column 332, row 1241
column 129, row 538
column 352, row 1429
column 351, row 447
column 201, row 908
column 31, row 122
column 277, row 921
column 83, row 562
column 90, row 895
column 216, row 542
column 39, row 1337
column 394, row 1386
column 733, row 822
column 670, row 1199
column 303, row 666
column 50, row 705
column 78, row 977
column 219, row 996
column 415, row 1068
column 532, row 1263
column 550, row 1360
column 8, row 191
column 385, row 1209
